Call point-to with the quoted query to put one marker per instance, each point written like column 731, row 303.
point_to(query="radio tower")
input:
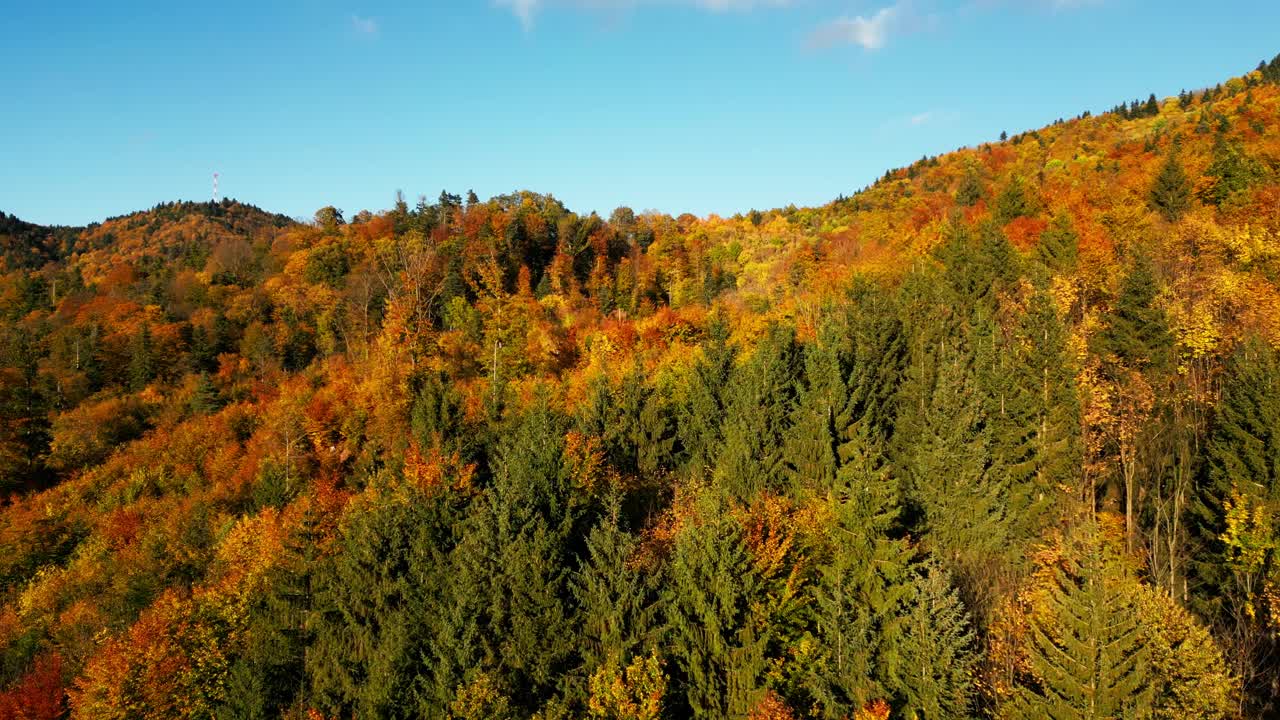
column 215, row 188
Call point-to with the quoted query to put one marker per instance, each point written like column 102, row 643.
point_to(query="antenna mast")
column 215, row 188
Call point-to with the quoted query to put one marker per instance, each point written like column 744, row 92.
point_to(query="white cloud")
column 526, row 10
column 869, row 33
column 363, row 25
column 921, row 119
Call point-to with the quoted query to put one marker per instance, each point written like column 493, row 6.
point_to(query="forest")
column 997, row 436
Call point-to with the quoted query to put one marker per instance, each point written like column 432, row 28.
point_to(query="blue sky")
column 677, row 105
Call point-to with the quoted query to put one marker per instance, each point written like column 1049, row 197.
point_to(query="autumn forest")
column 997, row 436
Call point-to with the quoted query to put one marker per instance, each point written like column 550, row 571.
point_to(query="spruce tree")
column 1059, row 248
column 715, row 633
column 757, row 411
column 1170, row 194
column 514, row 559
column 1137, row 332
column 937, row 650
column 616, row 599
column 703, row 408
column 962, row 506
column 819, row 415
column 1085, row 650
column 142, row 360
column 860, row 588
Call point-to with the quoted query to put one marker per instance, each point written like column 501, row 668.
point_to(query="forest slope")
column 926, row 451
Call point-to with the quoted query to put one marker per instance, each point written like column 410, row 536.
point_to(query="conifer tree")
column 1170, row 194
column 703, row 408
column 757, row 410
column 1137, row 333
column 1085, row 649
column 514, row 560
column 716, row 635
column 1059, row 247
column 616, row 599
column 961, row 503
column 1034, row 415
column 205, row 399
column 937, row 648
column 859, row 590
column 818, row 417
column 142, row 361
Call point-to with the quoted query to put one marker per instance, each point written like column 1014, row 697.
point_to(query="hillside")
column 919, row 452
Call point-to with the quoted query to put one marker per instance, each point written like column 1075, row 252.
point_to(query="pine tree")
column 703, row 408
column 371, row 598
column 961, row 503
column 1034, row 415
column 812, row 439
column 141, row 359
column 1059, row 247
column 1233, row 172
column 618, row 607
column 937, row 649
column 1085, row 648
column 758, row 406
column 205, row 399
column 1015, row 201
column 514, row 560
column 1170, row 193
column 859, row 590
column 1137, row 333
column 970, row 190
column 1242, row 455
column 716, row 635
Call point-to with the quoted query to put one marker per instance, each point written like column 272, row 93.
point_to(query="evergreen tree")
column 703, row 408
column 1085, row 650
column 1233, row 171
column 1170, row 193
column 859, row 590
column 205, row 399
column 1059, row 247
column 371, row 600
column 946, row 468
column 1137, row 333
column 716, row 635
column 938, row 651
column 1015, row 201
column 141, row 359
column 1242, row 455
column 515, row 557
column 1034, row 415
column 819, row 416
column 758, row 406
column 970, row 190
column 618, row 606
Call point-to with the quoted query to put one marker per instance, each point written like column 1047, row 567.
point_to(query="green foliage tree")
column 759, row 403
column 860, row 588
column 1085, row 648
column 715, row 633
column 938, row 651
column 1170, row 193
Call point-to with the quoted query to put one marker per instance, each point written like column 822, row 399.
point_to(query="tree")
column 1233, row 172
column 1170, row 193
column 142, row 361
column 818, row 418
column 616, row 599
column 329, row 218
column 860, row 588
column 1059, row 247
column 938, row 651
column 703, row 408
column 757, row 408
column 716, row 638
column 1085, row 650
